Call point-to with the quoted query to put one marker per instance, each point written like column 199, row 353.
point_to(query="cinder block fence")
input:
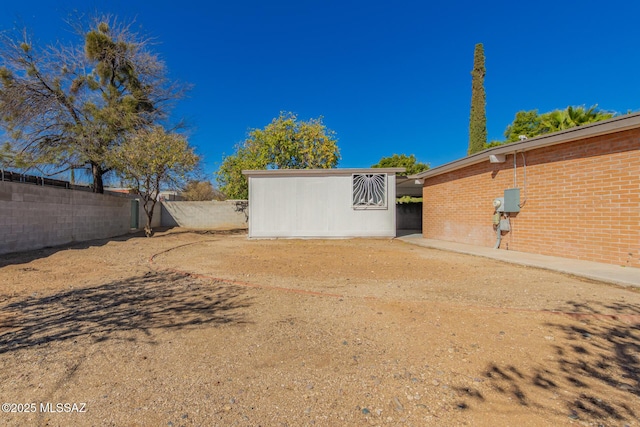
column 211, row 215
column 33, row 217
column 36, row 216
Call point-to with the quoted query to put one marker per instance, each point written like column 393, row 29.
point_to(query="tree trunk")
column 148, row 231
column 98, row 185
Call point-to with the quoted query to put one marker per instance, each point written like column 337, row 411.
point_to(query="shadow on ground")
column 25, row 257
column 155, row 300
column 593, row 369
column 14, row 258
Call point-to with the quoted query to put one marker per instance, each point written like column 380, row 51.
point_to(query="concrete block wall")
column 33, row 217
column 212, row 215
column 142, row 216
column 156, row 220
column 581, row 200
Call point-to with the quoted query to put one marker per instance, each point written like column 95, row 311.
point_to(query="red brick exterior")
column 581, row 200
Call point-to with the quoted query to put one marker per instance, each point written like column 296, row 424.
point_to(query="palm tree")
column 558, row 120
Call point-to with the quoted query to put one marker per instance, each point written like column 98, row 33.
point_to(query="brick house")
column 579, row 194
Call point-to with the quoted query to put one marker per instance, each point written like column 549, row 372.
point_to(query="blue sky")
column 388, row 77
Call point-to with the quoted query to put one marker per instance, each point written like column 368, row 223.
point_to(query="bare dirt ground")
column 308, row 332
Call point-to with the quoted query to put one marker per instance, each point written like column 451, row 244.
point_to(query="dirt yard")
column 201, row 329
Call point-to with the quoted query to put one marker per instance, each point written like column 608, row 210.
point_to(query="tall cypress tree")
column 478, row 117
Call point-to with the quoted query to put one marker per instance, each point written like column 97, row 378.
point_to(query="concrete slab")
column 619, row 275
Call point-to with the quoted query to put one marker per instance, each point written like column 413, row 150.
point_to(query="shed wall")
column 581, row 200
column 315, row 206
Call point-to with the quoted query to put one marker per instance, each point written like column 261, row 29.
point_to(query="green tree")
column 526, row 123
column 196, row 191
column 531, row 124
column 410, row 163
column 478, row 116
column 285, row 143
column 558, row 120
column 151, row 159
column 70, row 106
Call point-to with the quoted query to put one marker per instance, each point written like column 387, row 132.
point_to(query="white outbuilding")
column 322, row 203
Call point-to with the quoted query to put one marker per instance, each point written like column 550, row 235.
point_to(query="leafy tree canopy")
column 402, row 161
column 285, row 143
column 531, row 124
column 152, row 159
column 69, row 106
column 196, row 191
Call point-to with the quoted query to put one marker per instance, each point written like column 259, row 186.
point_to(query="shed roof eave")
column 616, row 124
column 320, row 172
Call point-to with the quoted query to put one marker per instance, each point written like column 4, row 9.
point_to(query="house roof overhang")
column 406, row 186
column 616, row 124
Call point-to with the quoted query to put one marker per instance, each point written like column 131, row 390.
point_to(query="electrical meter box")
column 498, row 204
column 512, row 200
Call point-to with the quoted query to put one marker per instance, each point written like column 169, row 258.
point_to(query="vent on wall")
column 369, row 190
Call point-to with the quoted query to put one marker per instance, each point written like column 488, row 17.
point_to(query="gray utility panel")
column 512, row 200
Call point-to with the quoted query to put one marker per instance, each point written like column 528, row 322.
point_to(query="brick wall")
column 33, row 217
column 581, row 200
